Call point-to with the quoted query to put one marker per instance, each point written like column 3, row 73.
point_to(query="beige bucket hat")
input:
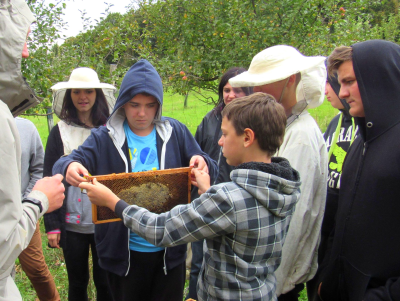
column 278, row 63
column 82, row 78
column 274, row 64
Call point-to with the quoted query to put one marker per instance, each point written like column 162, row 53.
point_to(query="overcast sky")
column 94, row 10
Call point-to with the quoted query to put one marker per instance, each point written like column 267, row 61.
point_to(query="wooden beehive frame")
column 121, row 176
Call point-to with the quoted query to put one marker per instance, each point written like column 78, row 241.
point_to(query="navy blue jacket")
column 106, row 151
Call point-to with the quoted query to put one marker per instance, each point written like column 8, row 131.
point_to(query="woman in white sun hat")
column 82, row 103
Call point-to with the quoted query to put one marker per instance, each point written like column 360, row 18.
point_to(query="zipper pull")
column 365, row 147
column 165, row 270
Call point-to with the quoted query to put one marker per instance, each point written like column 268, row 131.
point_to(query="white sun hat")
column 82, row 78
column 278, row 63
column 274, row 64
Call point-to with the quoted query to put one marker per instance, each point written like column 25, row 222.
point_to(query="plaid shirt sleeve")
column 209, row 216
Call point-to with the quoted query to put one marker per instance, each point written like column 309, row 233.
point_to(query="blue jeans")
column 197, row 261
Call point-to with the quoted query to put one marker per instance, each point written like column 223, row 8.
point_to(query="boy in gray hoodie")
column 243, row 222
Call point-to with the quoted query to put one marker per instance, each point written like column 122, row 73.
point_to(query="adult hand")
column 199, row 163
column 54, row 240
column 202, row 180
column 74, row 174
column 54, row 189
column 100, row 195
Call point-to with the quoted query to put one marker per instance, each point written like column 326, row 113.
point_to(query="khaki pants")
column 33, row 263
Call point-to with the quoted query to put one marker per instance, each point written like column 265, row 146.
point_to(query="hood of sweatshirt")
column 15, row 19
column 376, row 66
column 275, row 185
column 333, row 81
column 140, row 78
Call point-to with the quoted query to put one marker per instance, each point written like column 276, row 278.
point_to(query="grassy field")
column 173, row 107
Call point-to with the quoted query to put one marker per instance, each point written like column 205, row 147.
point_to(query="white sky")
column 94, row 10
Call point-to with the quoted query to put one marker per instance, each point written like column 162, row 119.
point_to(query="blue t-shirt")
column 143, row 156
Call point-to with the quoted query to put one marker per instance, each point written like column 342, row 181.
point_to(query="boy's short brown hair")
column 338, row 56
column 263, row 115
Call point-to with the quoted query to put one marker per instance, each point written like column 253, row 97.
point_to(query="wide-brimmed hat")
column 82, row 78
column 274, row 64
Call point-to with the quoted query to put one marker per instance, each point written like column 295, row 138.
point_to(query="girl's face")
column 230, row 93
column 83, row 99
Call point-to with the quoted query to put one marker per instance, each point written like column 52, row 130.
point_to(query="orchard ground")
column 173, row 107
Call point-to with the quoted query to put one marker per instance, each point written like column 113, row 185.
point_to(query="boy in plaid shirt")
column 244, row 222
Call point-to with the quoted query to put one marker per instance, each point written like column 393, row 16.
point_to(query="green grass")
column 173, row 107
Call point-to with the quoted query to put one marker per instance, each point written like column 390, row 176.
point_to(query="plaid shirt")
column 244, row 224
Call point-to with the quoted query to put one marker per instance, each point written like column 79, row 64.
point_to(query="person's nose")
column 142, row 111
column 221, row 141
column 344, row 92
column 25, row 51
column 256, row 89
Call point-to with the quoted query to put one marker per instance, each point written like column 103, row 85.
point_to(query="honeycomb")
column 158, row 191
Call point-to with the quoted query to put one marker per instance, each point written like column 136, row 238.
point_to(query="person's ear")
column 248, row 137
column 292, row 80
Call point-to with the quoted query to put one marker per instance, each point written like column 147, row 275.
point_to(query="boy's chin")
column 229, row 162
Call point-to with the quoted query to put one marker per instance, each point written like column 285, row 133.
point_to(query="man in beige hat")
column 298, row 83
column 17, row 219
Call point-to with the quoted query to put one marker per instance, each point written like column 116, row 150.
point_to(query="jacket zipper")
column 365, row 147
column 165, row 264
column 121, row 153
column 219, row 160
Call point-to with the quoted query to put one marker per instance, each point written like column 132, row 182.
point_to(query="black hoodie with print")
column 365, row 263
column 345, row 135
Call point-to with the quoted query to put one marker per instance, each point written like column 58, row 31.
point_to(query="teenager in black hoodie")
column 364, row 258
column 339, row 135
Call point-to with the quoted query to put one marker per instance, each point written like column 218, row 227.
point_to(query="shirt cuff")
column 120, row 207
column 36, row 194
column 56, row 231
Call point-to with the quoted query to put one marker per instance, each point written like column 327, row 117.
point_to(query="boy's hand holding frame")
column 201, row 181
column 99, row 194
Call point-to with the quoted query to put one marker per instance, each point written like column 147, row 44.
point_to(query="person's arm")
column 191, row 148
column 54, row 150
column 209, row 216
column 36, row 161
column 390, row 291
column 307, row 154
column 199, row 135
column 18, row 219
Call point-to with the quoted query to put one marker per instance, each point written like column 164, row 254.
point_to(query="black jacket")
column 335, row 163
column 54, row 151
column 365, row 261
